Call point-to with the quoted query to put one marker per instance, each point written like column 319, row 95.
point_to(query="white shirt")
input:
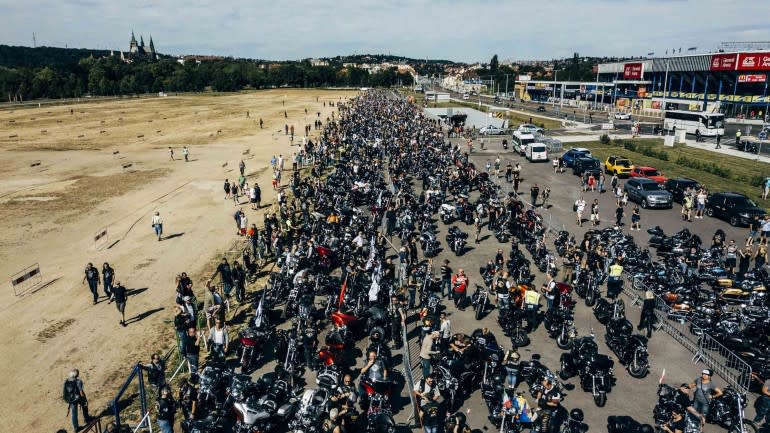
column 581, row 205
column 445, row 329
column 244, row 222
column 156, row 219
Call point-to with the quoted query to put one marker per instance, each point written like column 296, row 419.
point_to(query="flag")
column 258, row 318
column 662, row 377
column 342, row 292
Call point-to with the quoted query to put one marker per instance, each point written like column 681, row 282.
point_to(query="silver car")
column 648, row 193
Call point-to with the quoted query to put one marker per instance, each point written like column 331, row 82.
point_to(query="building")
column 138, row 51
column 734, row 83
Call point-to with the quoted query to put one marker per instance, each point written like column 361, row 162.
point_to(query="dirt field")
column 50, row 212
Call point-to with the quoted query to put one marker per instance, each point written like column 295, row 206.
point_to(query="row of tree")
column 110, row 76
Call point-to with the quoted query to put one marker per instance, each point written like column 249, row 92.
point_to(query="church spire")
column 133, row 38
column 141, row 41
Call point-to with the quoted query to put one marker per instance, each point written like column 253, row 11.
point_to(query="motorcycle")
column 594, row 369
column 268, row 411
column 447, row 213
column 559, row 322
column 456, row 239
column 430, row 245
column 511, row 320
column 311, row 411
column 631, row 349
column 249, row 352
column 480, row 300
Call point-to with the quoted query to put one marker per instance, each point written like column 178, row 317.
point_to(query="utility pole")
column 506, row 85
column 555, row 73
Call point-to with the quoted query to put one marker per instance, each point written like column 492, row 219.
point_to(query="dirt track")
column 50, row 212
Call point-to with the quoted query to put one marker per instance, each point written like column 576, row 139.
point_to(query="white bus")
column 707, row 124
column 521, row 140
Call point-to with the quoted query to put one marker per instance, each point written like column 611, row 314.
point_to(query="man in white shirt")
column 218, row 339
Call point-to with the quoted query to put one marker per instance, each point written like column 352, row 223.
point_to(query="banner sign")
column 633, row 71
column 723, row 62
column 752, row 78
column 753, row 61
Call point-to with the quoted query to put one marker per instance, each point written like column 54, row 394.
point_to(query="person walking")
column 226, row 187
column 545, row 194
column 426, row 350
column 534, row 191
column 108, row 277
column 171, row 153
column 242, row 167
column 226, row 275
column 92, row 277
column 579, row 207
column 636, row 217
column 257, row 195
column 75, row 396
column 737, row 138
column 619, row 212
column 157, row 224
column 446, row 279
column 719, row 138
column 186, row 153
column 595, row 213
column 647, row 318
column 119, row 296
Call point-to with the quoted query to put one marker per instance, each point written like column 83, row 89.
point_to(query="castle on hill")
column 139, row 51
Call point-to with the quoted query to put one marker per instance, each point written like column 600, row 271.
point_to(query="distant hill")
column 16, row 57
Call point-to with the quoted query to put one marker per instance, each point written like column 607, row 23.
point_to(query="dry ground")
column 50, row 212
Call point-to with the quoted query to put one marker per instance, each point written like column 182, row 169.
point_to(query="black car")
column 678, row 186
column 733, row 207
column 540, row 109
column 586, row 165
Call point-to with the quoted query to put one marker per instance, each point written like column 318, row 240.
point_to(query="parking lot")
column 631, row 397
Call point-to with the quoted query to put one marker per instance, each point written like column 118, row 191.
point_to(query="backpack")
column 71, row 393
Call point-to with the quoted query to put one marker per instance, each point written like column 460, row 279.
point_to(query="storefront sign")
column 752, row 78
column 753, row 61
column 723, row 62
column 633, row 71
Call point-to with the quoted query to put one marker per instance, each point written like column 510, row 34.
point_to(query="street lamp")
column 555, row 73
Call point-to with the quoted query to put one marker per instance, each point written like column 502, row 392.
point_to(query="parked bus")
column 707, row 124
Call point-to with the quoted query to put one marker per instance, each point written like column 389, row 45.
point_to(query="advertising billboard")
column 754, row 61
column 752, row 78
column 633, row 71
column 723, row 62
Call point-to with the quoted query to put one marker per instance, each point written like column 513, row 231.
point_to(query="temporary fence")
column 408, row 372
column 26, row 279
column 705, row 348
column 136, row 372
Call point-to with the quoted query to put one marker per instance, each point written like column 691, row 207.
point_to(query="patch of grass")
column 717, row 172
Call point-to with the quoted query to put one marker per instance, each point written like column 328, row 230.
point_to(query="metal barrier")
column 726, row 363
column 408, row 376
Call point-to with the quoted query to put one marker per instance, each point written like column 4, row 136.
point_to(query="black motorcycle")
column 594, row 369
column 480, row 301
column 559, row 322
column 456, row 239
column 511, row 320
column 631, row 349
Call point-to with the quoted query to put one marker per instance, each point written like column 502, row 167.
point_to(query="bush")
column 604, row 139
column 709, row 167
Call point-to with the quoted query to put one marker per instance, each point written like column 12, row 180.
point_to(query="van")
column 536, row 152
column 521, row 140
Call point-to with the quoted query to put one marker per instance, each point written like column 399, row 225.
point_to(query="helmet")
column 576, row 414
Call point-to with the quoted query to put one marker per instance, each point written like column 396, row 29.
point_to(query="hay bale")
column 140, row 136
column 44, row 131
column 158, row 131
column 13, row 136
column 81, row 135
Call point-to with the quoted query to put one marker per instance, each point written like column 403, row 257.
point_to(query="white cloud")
column 452, row 29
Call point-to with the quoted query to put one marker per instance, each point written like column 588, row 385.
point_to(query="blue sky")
column 471, row 30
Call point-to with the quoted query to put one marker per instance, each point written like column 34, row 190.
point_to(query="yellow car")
column 618, row 165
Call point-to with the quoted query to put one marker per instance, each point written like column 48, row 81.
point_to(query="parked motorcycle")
column 480, row 301
column 631, row 349
column 594, row 369
column 456, row 239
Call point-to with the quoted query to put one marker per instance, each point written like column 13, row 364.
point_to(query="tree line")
column 107, row 76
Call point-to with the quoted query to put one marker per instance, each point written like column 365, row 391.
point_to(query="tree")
column 494, row 64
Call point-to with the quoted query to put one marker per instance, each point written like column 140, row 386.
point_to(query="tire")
column 644, row 203
column 734, row 221
column 600, row 399
column 563, row 374
column 591, row 298
column 563, row 342
column 709, row 212
column 637, row 371
column 479, row 312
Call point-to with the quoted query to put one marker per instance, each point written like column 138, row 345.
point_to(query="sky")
column 463, row 31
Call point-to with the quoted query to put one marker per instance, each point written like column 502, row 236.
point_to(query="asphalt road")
column 631, row 397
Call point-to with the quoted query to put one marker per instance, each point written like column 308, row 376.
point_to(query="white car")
column 529, row 128
column 491, row 130
column 623, row 116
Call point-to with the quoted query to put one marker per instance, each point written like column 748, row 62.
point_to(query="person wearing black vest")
column 166, row 408
column 156, row 371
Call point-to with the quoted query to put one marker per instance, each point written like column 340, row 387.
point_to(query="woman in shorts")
column 635, row 218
